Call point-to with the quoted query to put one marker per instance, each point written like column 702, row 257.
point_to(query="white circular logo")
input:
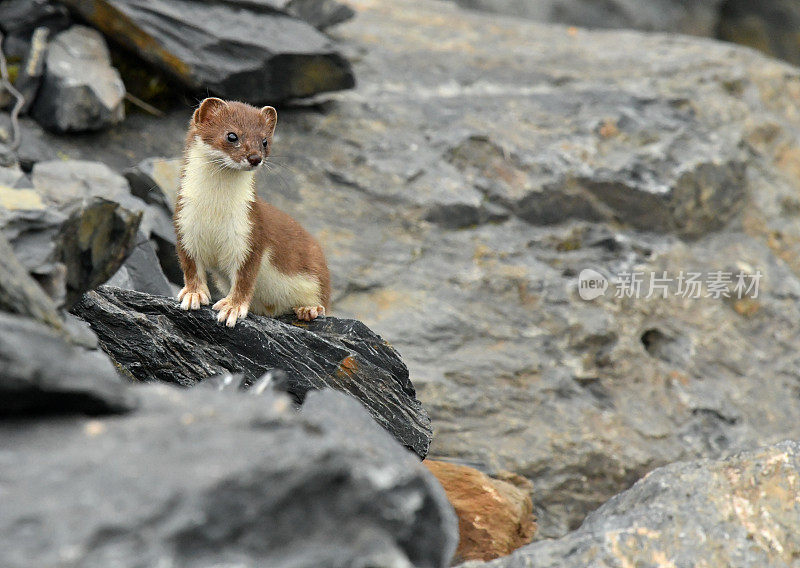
column 591, row 284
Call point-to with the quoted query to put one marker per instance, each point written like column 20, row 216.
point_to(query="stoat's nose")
column 254, row 159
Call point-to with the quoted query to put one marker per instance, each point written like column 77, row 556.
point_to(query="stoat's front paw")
column 229, row 312
column 192, row 297
column 308, row 313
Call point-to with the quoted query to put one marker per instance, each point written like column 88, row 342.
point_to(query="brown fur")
column 292, row 249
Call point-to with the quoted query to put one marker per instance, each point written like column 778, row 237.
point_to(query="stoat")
column 260, row 257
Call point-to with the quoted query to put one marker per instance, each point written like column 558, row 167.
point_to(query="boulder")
column 80, row 90
column 494, row 516
column 230, row 51
column 739, row 512
column 200, row 478
column 137, row 329
column 43, row 374
column 570, row 135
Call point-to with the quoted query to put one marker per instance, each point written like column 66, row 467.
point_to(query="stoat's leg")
column 308, row 313
column 195, row 290
column 236, row 304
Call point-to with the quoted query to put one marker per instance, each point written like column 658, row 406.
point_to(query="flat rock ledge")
column 153, row 340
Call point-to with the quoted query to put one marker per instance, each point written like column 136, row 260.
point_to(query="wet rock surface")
column 738, row 512
column 197, row 478
column 236, row 53
column 80, row 89
column 137, row 329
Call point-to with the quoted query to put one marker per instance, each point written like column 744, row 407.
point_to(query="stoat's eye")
column 265, row 142
column 232, row 137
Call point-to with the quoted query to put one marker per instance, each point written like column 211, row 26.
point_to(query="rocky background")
column 461, row 169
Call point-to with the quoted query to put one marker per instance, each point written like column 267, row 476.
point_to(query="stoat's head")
column 235, row 135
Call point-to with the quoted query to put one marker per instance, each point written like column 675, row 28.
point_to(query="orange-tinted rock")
column 494, row 517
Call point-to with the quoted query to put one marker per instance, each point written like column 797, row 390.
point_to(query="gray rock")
column 695, row 18
column 517, row 371
column 71, row 183
column 231, row 52
column 70, row 231
column 739, row 512
column 95, row 241
column 136, row 329
column 198, row 478
column 34, row 231
column 19, row 293
column 142, row 272
column 43, row 374
column 156, row 181
column 81, row 90
column 768, row 25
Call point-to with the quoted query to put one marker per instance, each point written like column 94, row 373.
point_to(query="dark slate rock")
column 154, row 340
column 40, row 373
column 199, row 479
column 81, row 90
column 740, row 512
column 231, row 52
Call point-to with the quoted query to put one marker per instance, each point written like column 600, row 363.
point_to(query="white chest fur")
column 214, row 217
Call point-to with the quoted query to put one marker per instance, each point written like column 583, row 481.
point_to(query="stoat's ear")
column 271, row 116
column 207, row 108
